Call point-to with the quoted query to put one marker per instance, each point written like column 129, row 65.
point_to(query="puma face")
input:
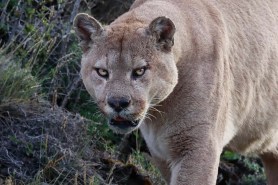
column 127, row 68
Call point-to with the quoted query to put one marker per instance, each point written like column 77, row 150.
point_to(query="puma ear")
column 86, row 28
column 163, row 29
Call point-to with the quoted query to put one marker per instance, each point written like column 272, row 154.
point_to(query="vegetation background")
column 50, row 129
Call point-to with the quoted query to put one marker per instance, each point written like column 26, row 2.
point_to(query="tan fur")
column 216, row 87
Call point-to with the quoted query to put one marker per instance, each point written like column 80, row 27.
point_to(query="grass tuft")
column 16, row 83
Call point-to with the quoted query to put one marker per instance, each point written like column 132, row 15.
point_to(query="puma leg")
column 270, row 162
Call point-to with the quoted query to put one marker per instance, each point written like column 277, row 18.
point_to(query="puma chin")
column 123, row 124
column 122, row 120
column 127, row 73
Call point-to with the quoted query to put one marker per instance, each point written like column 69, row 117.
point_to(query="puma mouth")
column 123, row 123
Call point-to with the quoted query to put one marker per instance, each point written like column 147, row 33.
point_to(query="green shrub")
column 16, row 83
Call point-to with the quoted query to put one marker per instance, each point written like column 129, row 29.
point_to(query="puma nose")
column 118, row 103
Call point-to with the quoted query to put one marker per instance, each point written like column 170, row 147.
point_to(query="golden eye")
column 102, row 72
column 139, row 72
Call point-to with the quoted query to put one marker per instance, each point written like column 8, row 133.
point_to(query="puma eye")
column 102, row 72
column 139, row 72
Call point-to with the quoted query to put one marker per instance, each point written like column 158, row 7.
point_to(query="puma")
column 194, row 76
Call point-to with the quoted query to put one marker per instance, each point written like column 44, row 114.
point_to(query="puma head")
column 127, row 67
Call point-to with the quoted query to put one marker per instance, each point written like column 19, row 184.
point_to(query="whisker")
column 147, row 117
column 155, row 105
column 156, row 110
column 150, row 115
